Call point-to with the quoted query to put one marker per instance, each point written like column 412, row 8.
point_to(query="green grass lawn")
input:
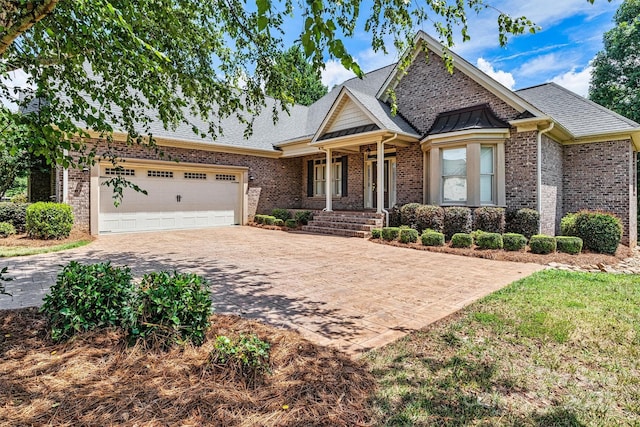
column 554, row 349
column 11, row 251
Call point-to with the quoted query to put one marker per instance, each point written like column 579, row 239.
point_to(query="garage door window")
column 225, row 177
column 160, row 174
column 120, row 171
column 195, row 175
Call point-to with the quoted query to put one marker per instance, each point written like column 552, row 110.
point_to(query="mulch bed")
column 95, row 379
column 22, row 240
column 583, row 259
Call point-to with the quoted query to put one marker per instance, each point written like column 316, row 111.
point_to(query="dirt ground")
column 95, row 379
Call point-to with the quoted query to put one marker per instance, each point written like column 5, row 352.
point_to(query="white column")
column 327, row 177
column 380, row 180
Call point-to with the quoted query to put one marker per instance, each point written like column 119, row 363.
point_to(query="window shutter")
column 344, row 176
column 310, row 178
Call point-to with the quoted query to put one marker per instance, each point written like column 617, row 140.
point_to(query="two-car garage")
column 178, row 196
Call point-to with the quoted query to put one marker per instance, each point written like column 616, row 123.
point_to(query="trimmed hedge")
column 282, row 214
column 457, row 219
column 291, row 223
column 569, row 244
column 7, row 229
column 408, row 235
column 432, row 238
column 48, row 220
column 258, row 219
column 376, row 233
column 429, row 216
column 600, row 231
column 303, row 217
column 461, row 240
column 568, row 225
column 489, row 219
column 278, row 222
column 489, row 241
column 395, row 219
column 523, row 221
column 514, row 241
column 390, row 233
column 269, row 220
column 408, row 215
column 15, row 214
column 542, row 244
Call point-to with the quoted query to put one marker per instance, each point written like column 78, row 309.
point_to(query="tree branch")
column 24, row 19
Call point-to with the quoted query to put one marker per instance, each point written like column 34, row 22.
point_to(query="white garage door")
column 176, row 199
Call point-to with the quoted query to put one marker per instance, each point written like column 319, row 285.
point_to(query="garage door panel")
column 171, row 203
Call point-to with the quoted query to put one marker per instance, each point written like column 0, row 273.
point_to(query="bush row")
column 538, row 244
column 282, row 217
column 460, row 219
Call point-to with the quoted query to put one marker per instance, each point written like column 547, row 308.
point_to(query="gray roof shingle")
column 580, row 116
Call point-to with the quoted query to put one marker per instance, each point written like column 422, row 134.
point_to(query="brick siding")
column 602, row 176
column 552, row 188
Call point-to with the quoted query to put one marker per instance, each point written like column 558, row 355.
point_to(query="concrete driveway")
column 345, row 292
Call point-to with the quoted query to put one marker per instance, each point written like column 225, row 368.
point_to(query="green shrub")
column 86, row 297
column 303, row 217
column 408, row 235
column 395, row 218
column 48, row 220
column 461, row 240
column 15, row 214
column 408, row 215
column 489, row 219
column 432, row 238
column 278, row 222
column 247, row 355
column 600, row 231
column 269, row 220
column 7, row 229
column 172, row 308
column 20, row 198
column 376, row 233
column 282, row 214
column 523, row 221
column 258, row 219
column 514, row 241
column 457, row 219
column 390, row 233
column 429, row 216
column 291, row 223
column 568, row 225
column 542, row 244
column 489, row 241
column 569, row 244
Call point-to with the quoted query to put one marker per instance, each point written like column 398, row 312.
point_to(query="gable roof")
column 580, row 116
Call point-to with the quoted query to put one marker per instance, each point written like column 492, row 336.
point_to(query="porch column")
column 380, row 179
column 327, row 183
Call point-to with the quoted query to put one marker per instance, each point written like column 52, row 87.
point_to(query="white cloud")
column 576, row 81
column 545, row 64
column 501, row 76
column 334, row 73
column 13, row 79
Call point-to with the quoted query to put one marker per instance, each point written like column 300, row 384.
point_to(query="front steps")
column 345, row 223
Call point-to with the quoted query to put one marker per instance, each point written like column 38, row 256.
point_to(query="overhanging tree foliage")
column 120, row 65
column 615, row 80
column 302, row 84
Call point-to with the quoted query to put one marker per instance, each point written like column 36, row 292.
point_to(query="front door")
column 371, row 183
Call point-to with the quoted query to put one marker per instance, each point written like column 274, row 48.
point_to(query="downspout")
column 384, row 141
column 65, row 182
column 539, row 172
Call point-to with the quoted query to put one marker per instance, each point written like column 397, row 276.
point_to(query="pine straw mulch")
column 583, row 259
column 22, row 240
column 96, row 380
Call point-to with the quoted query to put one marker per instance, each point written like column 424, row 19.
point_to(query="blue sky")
column 571, row 36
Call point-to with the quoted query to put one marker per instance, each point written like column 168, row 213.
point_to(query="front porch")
column 345, row 223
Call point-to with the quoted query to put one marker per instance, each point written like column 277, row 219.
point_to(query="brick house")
column 457, row 139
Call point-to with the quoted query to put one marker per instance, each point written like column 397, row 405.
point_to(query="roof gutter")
column 539, row 171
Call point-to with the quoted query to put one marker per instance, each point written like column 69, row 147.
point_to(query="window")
column 225, row 177
column 119, row 171
column 454, row 175
column 195, row 175
column 487, row 174
column 320, row 177
column 160, row 174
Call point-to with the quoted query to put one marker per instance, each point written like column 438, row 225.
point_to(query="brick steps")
column 349, row 224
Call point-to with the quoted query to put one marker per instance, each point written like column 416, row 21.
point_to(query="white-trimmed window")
column 487, row 175
column 320, row 177
column 454, row 175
